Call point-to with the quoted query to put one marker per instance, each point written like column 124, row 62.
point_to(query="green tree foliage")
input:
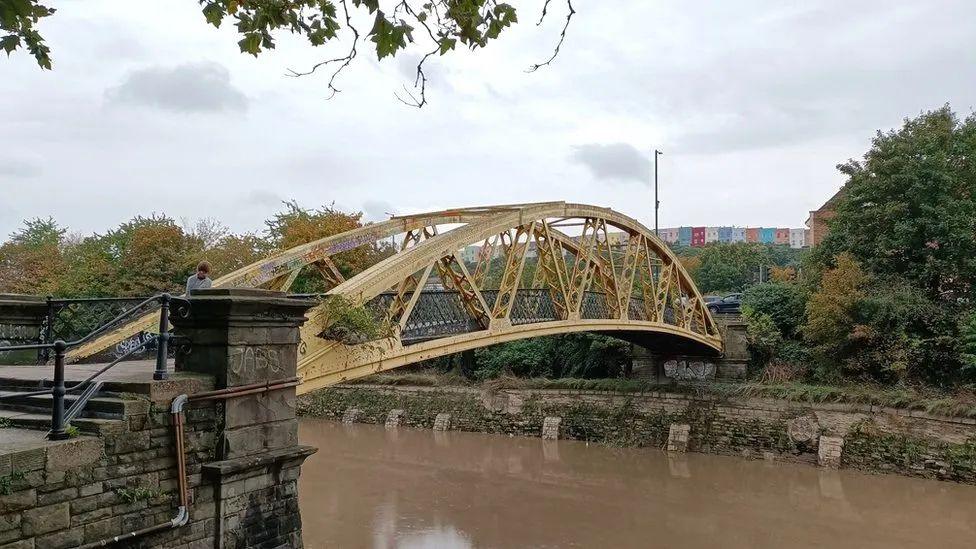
column 910, row 207
column 764, row 337
column 156, row 254
column 148, row 255
column 17, row 21
column 570, row 355
column 908, row 220
column 728, row 267
column 31, row 261
column 784, row 302
column 234, row 251
column 296, row 225
column 832, row 311
column 969, row 346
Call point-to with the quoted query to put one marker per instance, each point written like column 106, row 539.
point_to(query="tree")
column 157, row 257
column 969, row 345
column 233, row 251
column 730, row 266
column 764, row 337
column 785, row 303
column 831, row 313
column 569, row 355
column 909, row 209
column 31, row 261
column 908, row 219
column 297, row 225
column 435, row 26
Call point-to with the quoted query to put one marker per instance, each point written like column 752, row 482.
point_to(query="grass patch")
column 7, row 482
column 132, row 495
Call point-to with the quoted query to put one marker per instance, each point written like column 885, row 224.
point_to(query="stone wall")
column 240, row 439
column 119, row 479
column 864, row 437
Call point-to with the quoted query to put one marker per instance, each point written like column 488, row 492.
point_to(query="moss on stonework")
column 620, row 424
column 868, row 447
column 623, row 423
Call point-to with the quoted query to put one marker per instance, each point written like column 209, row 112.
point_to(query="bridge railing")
column 69, row 319
column 88, row 387
column 441, row 313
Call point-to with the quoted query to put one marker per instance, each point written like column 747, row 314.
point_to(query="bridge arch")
column 531, row 277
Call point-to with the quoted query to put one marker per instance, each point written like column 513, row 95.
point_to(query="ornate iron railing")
column 89, row 386
column 441, row 313
column 71, row 319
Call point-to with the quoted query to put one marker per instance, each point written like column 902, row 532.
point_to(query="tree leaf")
column 251, row 44
column 9, row 43
column 214, row 14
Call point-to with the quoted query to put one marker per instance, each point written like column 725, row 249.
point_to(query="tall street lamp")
column 657, row 203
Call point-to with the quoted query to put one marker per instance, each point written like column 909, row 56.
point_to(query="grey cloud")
column 187, row 88
column 16, row 167
column 618, row 161
column 260, row 197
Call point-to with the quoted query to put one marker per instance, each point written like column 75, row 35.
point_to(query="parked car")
column 711, row 298
column 730, row 304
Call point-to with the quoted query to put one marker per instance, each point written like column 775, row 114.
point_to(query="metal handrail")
column 58, row 390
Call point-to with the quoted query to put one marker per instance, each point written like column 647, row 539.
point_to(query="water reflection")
column 384, row 488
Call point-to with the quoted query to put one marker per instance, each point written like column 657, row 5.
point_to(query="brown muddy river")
column 373, row 488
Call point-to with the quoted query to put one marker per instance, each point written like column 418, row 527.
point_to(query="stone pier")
column 550, row 427
column 242, row 337
column 442, row 422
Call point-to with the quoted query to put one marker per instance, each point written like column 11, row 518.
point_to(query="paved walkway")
column 128, row 372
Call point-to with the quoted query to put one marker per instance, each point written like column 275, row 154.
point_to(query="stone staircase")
column 106, row 411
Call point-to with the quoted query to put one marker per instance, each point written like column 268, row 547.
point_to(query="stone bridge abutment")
column 209, row 457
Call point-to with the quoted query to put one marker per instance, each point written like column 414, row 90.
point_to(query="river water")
column 376, row 488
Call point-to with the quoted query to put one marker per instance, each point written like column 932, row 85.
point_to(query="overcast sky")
column 753, row 102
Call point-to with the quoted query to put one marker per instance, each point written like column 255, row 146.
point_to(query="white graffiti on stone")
column 17, row 332
column 127, row 345
column 247, row 361
column 689, row 370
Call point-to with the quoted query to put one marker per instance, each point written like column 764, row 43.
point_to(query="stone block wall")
column 121, row 479
column 241, row 445
column 864, row 437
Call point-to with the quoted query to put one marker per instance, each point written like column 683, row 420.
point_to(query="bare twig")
column 344, row 60
column 545, row 10
column 421, row 81
column 562, row 35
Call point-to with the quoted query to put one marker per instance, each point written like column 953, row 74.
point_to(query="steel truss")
column 529, row 279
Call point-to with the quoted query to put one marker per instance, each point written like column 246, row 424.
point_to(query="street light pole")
column 657, row 203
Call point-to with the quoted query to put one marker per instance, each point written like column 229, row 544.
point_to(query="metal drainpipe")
column 176, row 410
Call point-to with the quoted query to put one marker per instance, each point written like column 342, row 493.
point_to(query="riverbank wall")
column 864, row 437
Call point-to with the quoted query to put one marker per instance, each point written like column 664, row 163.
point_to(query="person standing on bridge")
column 200, row 279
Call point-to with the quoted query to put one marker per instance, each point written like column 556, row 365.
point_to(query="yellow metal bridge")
column 543, row 268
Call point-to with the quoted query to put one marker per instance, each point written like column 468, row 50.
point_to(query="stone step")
column 101, row 406
column 42, row 422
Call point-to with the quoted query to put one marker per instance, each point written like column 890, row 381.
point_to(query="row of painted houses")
column 699, row 236
column 694, row 236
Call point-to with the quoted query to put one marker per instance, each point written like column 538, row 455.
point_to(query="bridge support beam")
column 243, row 338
